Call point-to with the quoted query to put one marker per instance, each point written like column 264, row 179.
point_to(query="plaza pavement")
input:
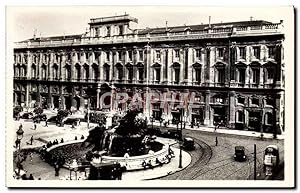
column 41, row 169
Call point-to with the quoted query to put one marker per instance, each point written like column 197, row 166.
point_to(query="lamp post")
column 87, row 102
column 19, row 133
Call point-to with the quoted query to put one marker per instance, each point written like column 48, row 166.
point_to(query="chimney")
column 166, row 25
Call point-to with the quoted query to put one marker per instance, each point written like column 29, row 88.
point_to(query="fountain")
column 126, row 144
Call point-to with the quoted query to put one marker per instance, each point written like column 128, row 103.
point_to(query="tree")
column 61, row 114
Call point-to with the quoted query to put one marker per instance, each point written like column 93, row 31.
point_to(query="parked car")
column 41, row 117
column 188, row 143
column 52, row 119
column 239, row 153
column 27, row 115
column 171, row 133
column 71, row 121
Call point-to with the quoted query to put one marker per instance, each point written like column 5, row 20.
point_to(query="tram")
column 271, row 159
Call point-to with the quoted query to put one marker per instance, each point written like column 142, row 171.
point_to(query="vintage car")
column 188, row 143
column 239, row 153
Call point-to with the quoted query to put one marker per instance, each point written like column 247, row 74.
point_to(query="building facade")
column 235, row 71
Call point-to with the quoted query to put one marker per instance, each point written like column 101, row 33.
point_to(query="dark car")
column 239, row 153
column 27, row 116
column 171, row 133
column 71, row 121
column 41, row 117
column 188, row 143
column 52, row 119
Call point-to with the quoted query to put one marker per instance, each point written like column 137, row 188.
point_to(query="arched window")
column 119, row 71
column 77, row 71
column 176, row 73
column 68, row 72
column 130, row 72
column 86, row 74
column 95, row 71
column 55, row 71
column 140, row 68
column 17, row 70
column 156, row 72
column 220, row 73
column 106, row 68
column 197, row 73
column 33, row 71
column 240, row 73
column 44, row 72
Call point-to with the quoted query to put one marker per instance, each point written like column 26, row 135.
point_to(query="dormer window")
column 121, row 30
column 108, row 31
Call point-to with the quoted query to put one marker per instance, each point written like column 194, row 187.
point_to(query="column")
column 98, row 96
column 101, row 63
column 112, row 66
column 207, row 109
column 28, row 65
column 182, row 64
column 231, row 113
column 166, row 66
column 74, row 59
column 148, row 74
column 211, row 59
column 261, row 77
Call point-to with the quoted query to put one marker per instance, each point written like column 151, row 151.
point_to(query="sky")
column 59, row 20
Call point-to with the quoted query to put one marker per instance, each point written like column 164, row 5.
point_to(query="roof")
column 202, row 26
column 164, row 29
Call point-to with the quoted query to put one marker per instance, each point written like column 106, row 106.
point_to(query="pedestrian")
column 216, row 141
column 30, row 177
column 82, row 137
column 31, row 140
column 46, row 123
column 56, row 169
column 21, row 126
column 62, row 140
column 34, row 126
column 75, row 137
column 31, row 156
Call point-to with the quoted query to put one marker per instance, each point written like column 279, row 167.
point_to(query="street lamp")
column 19, row 133
column 87, row 102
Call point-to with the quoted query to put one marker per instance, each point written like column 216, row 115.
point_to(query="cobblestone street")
column 217, row 163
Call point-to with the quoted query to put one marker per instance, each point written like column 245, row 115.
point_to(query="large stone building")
column 234, row 70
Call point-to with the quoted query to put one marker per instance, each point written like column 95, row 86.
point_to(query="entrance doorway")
column 68, row 102
column 254, row 120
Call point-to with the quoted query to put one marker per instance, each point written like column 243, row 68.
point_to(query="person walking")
column 46, row 123
column 21, row 126
column 31, row 140
column 56, row 169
